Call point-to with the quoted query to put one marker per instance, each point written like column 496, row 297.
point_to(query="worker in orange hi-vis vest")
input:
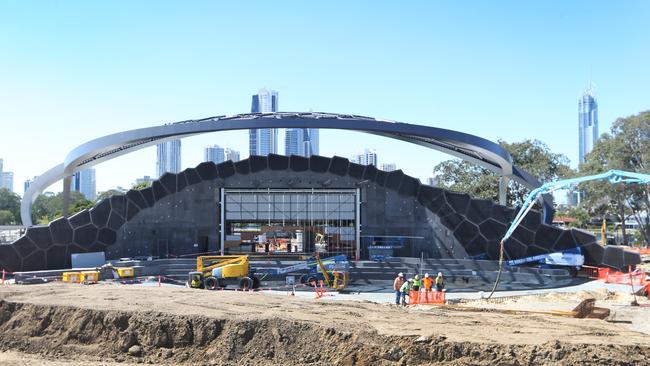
column 427, row 283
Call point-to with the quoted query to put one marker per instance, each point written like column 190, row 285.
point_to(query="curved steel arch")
column 465, row 146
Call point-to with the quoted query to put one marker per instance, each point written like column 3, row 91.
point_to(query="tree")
column 533, row 156
column 6, row 218
column 107, row 194
column 580, row 214
column 49, row 206
column 461, row 176
column 10, row 202
column 142, row 185
column 626, row 147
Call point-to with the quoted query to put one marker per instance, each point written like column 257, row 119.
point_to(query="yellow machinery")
column 339, row 278
column 125, row 272
column 88, row 277
column 72, row 277
column 218, row 271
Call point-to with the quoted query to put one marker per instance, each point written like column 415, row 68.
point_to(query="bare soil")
column 59, row 324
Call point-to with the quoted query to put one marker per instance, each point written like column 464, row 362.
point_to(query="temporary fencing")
column 4, row 275
column 426, row 297
column 636, row 278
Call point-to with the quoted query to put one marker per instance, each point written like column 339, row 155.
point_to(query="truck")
column 219, row 271
column 333, row 271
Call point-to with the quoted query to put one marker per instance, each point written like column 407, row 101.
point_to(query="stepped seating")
column 459, row 272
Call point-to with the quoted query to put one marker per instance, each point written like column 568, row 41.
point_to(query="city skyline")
column 500, row 59
column 218, row 154
column 367, row 157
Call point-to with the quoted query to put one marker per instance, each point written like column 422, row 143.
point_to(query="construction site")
column 292, row 260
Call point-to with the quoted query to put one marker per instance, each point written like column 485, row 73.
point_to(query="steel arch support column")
column 503, row 190
column 43, row 181
column 66, row 195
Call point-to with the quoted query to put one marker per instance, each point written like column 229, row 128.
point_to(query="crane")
column 612, row 176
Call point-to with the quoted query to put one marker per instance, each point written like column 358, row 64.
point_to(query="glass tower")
column 85, row 183
column 264, row 141
column 168, row 157
column 214, row 154
column 301, row 141
column 587, row 123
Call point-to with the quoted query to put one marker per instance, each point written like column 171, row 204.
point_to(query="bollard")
column 159, row 284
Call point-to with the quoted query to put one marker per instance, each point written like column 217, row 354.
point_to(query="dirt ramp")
column 65, row 333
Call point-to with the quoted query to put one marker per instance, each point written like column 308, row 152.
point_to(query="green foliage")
column 48, row 207
column 107, row 194
column 6, row 218
column 10, row 202
column 531, row 155
column 461, row 176
column 141, row 185
column 580, row 214
column 626, row 147
column 80, row 205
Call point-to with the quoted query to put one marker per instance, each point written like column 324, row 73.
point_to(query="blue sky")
column 72, row 71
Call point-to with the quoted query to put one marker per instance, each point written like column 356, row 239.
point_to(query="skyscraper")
column 6, row 178
column 388, row 167
column 264, row 141
column 84, row 182
column 232, row 154
column 215, row 154
column 301, row 141
column 293, row 142
column 587, row 123
column 369, row 157
column 168, row 157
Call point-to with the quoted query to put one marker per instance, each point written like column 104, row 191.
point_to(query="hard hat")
column 400, row 274
column 426, row 275
column 416, row 277
column 439, row 273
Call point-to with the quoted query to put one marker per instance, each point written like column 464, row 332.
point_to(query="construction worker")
column 397, row 286
column 196, row 281
column 416, row 283
column 427, row 282
column 440, row 282
column 405, row 289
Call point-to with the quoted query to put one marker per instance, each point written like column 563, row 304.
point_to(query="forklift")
column 219, row 271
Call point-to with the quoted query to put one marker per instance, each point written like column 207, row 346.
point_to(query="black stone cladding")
column 478, row 225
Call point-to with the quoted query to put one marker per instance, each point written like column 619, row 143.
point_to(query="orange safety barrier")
column 642, row 251
column 603, row 273
column 426, row 297
column 634, row 278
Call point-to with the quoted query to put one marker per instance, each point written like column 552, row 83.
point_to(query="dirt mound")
column 60, row 332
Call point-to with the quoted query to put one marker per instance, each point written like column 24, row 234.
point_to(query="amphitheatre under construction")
column 300, row 254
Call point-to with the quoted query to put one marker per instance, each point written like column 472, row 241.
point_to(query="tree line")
column 625, row 147
column 48, row 206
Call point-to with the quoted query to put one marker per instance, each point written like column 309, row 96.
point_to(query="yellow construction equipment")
column 72, row 277
column 218, row 271
column 339, row 278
